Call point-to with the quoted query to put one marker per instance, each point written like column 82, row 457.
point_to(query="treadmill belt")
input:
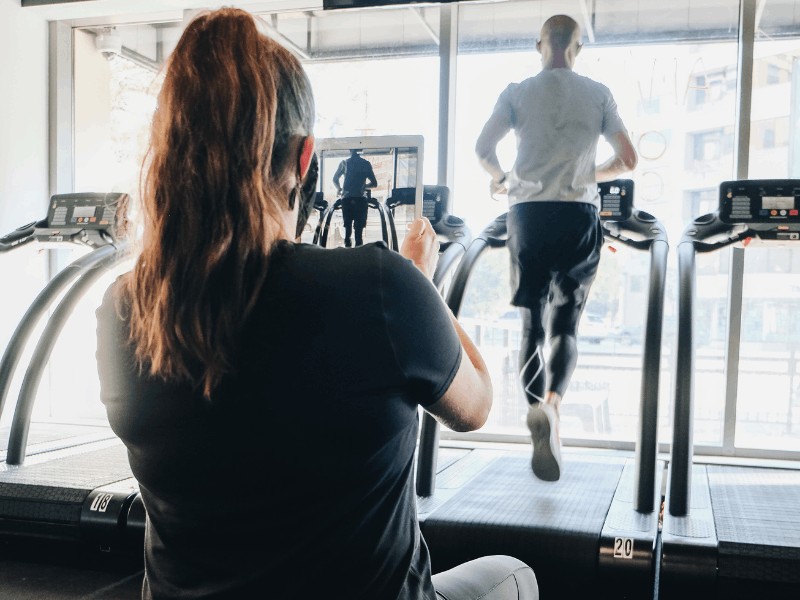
column 506, row 510
column 54, row 490
column 55, row 436
column 448, row 456
column 757, row 516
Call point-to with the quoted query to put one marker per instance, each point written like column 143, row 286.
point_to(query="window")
column 771, row 288
column 710, row 145
column 706, row 88
column 670, row 87
column 672, row 70
column 372, row 75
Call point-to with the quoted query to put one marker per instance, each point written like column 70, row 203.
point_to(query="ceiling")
column 318, row 35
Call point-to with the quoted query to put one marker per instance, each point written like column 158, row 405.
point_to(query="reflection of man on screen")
column 358, row 176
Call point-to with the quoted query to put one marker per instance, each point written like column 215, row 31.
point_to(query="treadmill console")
column 769, row 206
column 87, row 218
column 616, row 199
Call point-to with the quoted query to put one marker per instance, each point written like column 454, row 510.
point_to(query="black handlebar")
column 21, row 235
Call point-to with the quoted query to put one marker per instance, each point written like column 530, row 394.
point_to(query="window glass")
column 768, row 405
column 114, row 99
column 676, row 94
column 374, row 72
column 672, row 70
column 23, row 270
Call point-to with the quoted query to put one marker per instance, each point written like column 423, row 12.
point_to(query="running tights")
column 538, row 376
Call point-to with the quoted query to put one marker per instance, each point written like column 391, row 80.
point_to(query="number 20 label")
column 623, row 547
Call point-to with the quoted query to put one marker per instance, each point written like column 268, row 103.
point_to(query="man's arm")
column 493, row 131
column 624, row 158
column 338, row 175
column 372, row 181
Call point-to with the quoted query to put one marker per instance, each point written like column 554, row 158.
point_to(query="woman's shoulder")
column 115, row 298
column 375, row 256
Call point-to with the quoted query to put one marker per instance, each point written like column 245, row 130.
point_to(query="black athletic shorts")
column 555, row 249
column 354, row 209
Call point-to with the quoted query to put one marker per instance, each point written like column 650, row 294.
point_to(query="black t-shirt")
column 357, row 172
column 296, row 479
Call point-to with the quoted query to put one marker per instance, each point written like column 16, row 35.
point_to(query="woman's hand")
column 421, row 246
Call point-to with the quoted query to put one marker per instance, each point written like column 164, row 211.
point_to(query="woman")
column 265, row 471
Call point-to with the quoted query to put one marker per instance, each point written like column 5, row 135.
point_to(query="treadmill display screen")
column 765, row 201
column 82, row 212
column 616, row 199
column 777, row 202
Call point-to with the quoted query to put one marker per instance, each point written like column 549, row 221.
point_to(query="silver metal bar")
column 587, row 20
column 271, row 27
column 140, row 59
column 762, row 4
column 62, row 123
column 418, row 13
column 747, row 20
column 448, row 54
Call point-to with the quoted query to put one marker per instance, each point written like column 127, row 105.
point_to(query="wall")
column 23, row 155
column 23, row 115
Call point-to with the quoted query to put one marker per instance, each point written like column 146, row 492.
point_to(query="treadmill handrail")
column 646, row 449
column 655, row 239
column 680, row 464
column 427, row 454
column 105, row 258
column 39, row 307
column 321, row 237
column 429, row 428
column 446, row 262
column 20, row 236
column 640, row 222
column 325, row 222
column 708, row 226
column 385, row 216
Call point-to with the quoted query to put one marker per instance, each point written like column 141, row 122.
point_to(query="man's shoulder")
column 586, row 82
column 544, row 77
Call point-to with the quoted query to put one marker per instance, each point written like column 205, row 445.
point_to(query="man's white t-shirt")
column 558, row 117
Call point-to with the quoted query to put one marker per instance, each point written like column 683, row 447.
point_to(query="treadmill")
column 84, row 494
column 453, row 233
column 61, row 492
column 729, row 531
column 323, row 228
column 63, row 226
column 596, row 528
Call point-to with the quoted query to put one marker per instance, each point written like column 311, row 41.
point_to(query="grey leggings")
column 487, row 578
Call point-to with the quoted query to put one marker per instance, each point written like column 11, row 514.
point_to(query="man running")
column 358, row 177
column 554, row 231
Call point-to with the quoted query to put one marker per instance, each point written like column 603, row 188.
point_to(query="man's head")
column 559, row 41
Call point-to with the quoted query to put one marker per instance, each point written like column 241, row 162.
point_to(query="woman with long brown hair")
column 265, row 472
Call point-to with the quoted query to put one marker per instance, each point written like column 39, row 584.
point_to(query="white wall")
column 23, row 157
column 23, row 116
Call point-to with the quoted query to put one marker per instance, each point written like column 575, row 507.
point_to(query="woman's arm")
column 466, row 403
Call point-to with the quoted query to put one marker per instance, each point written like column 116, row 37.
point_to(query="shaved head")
column 559, row 31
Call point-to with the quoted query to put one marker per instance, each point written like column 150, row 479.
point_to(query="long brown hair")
column 213, row 194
